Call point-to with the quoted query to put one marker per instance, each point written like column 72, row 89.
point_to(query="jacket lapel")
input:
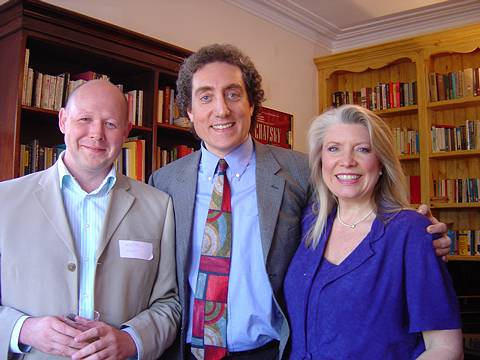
column 270, row 189
column 183, row 191
column 50, row 200
column 118, row 207
column 357, row 257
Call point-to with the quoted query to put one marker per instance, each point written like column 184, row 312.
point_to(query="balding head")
column 103, row 88
column 95, row 124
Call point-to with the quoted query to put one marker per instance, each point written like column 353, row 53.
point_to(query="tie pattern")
column 209, row 331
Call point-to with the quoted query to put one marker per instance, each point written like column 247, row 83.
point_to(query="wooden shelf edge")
column 40, row 110
column 409, row 157
column 463, row 257
column 141, row 128
column 445, row 104
column 435, row 205
column 453, row 154
column 174, row 127
column 395, row 111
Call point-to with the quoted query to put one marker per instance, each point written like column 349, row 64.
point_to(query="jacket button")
column 71, row 267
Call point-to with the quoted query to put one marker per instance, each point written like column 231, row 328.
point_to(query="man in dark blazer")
column 220, row 90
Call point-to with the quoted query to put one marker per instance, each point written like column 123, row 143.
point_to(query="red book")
column 397, row 94
column 391, row 94
column 86, row 75
column 415, row 197
column 183, row 150
column 140, row 170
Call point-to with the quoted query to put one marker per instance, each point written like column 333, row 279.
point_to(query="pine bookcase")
column 414, row 60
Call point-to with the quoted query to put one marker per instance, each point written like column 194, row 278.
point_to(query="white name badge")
column 136, row 249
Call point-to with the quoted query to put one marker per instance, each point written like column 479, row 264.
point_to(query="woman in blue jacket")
column 365, row 282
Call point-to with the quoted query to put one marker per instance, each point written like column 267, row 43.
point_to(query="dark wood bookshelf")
column 175, row 128
column 63, row 41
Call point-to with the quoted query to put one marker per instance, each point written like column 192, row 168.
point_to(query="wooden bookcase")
column 411, row 60
column 63, row 41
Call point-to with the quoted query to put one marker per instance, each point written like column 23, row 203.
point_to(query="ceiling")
column 338, row 25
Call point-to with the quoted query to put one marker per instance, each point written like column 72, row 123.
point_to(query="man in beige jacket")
column 81, row 239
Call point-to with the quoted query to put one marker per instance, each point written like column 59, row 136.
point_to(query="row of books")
column 406, row 141
column 167, row 109
column 465, row 242
column 394, row 94
column 135, row 106
column 166, row 156
column 51, row 92
column 456, row 190
column 452, row 138
column 454, row 85
column 131, row 160
column 34, row 157
column 47, row 91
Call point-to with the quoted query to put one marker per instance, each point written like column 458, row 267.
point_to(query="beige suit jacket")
column 39, row 263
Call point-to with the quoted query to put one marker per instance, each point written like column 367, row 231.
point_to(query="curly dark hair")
column 223, row 53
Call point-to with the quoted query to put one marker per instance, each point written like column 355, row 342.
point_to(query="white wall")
column 283, row 59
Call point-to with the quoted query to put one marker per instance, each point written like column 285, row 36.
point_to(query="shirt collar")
column 67, row 180
column 237, row 160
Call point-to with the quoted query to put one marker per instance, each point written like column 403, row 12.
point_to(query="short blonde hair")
column 390, row 193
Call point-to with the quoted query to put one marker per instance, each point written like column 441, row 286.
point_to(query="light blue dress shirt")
column 254, row 320
column 86, row 215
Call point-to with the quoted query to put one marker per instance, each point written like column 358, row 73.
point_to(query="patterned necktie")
column 209, row 331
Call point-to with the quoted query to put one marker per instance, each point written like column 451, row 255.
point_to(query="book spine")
column 25, row 76
column 463, row 242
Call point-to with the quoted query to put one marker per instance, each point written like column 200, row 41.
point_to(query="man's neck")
column 88, row 181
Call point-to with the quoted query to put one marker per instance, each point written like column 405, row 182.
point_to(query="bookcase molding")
column 64, row 41
column 408, row 60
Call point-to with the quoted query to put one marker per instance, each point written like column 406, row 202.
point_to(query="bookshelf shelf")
column 141, row 128
column 454, row 103
column 455, row 154
column 437, row 205
column 64, row 44
column 39, row 110
column 174, row 128
column 463, row 258
column 409, row 157
column 397, row 111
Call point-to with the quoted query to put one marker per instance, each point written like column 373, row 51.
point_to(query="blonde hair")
column 390, row 192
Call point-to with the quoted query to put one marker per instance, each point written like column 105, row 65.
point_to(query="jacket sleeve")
column 8, row 318
column 157, row 326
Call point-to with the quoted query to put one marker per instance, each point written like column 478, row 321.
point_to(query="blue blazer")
column 376, row 303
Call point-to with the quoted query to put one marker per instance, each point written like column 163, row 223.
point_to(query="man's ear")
column 190, row 115
column 62, row 119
